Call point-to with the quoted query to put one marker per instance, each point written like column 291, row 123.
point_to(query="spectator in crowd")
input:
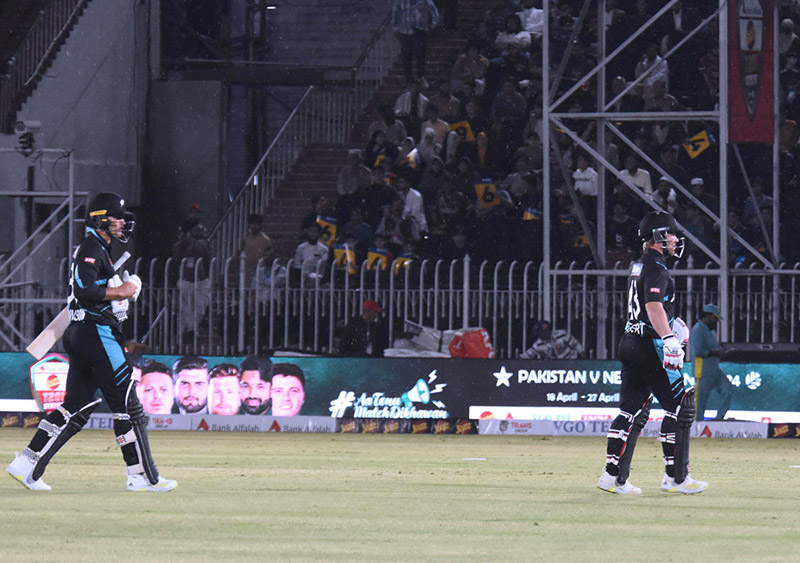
column 440, row 128
column 311, row 252
column 413, row 208
column 392, row 127
column 532, row 150
column 656, row 68
column 737, row 252
column 659, row 100
column 708, row 66
column 256, row 246
column 156, row 384
column 698, row 189
column 470, row 67
column 224, row 389
column 412, row 21
column 193, row 258
column 321, row 206
column 638, row 176
column 788, row 41
column 454, row 206
column 190, row 375
column 288, row 390
column 428, row 148
column 366, row 335
column 448, row 105
column 552, row 344
column 380, row 151
column 512, row 35
column 508, row 114
column 517, row 183
column 532, row 19
column 478, row 122
column 360, row 232
column 458, row 246
column 410, row 106
column 430, row 187
column 353, row 177
column 666, row 197
column 392, row 230
column 695, row 223
column 671, row 167
column 754, row 203
column 705, row 352
column 622, row 237
column 585, row 181
column 254, row 385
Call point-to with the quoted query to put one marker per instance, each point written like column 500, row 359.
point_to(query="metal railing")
column 323, row 115
column 39, row 44
column 307, row 313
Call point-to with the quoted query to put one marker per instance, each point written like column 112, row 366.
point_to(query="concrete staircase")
column 318, row 166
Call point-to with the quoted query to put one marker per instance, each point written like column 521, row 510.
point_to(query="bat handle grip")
column 121, row 260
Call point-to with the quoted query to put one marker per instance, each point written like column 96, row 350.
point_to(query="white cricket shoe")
column 609, row 484
column 688, row 487
column 21, row 469
column 141, row 483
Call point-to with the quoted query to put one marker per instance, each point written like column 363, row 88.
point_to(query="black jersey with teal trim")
column 89, row 274
column 649, row 280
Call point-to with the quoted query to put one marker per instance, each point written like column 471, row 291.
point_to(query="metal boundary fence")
column 289, row 311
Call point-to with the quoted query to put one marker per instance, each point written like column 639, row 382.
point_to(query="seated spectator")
column 671, row 167
column 659, row 73
column 754, row 203
column 512, row 35
column 659, row 100
column 356, row 229
column 321, row 205
column 458, row 245
column 699, row 191
column 665, row 196
column 410, row 106
column 552, row 344
column 310, row 253
column 478, row 122
column 393, row 128
column 431, row 181
column 494, row 227
column 517, row 183
column 470, row 67
column 392, row 230
column 380, row 150
column 465, row 177
column 788, row 41
column 693, row 222
column 440, row 128
column 532, row 150
column 531, row 18
column 622, row 237
column 448, row 105
column 367, row 335
column 454, row 206
column 428, row 148
column 638, row 176
column 352, row 175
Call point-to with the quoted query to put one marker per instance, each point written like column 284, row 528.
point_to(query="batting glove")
column 134, row 279
column 673, row 353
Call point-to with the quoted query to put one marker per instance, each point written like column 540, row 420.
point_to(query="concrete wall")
column 91, row 101
column 184, row 160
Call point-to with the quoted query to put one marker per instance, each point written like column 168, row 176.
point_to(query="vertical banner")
column 750, row 71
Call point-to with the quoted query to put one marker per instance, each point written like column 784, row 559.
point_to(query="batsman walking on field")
column 652, row 359
column 98, row 303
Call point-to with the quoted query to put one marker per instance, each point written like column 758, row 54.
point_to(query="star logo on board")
column 503, row 377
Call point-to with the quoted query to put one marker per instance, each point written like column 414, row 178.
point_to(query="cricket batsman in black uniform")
column 98, row 304
column 652, row 358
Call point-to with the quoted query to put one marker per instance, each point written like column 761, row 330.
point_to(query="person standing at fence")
column 192, row 258
column 98, row 304
column 412, row 20
column 705, row 347
column 652, row 359
column 366, row 335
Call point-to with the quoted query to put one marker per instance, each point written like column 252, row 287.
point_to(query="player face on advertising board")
column 254, row 392
column 191, row 390
column 156, row 393
column 225, row 395
column 288, row 395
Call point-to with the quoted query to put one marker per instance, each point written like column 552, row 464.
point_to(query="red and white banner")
column 751, row 37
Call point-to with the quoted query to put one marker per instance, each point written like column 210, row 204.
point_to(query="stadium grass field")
column 326, row 497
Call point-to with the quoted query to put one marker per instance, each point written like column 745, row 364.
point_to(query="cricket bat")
column 42, row 344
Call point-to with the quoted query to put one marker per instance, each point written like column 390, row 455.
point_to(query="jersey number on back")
column 634, row 307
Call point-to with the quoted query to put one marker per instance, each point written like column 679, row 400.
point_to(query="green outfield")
column 318, row 497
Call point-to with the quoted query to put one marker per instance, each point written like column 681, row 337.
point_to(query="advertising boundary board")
column 490, row 427
column 433, row 389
